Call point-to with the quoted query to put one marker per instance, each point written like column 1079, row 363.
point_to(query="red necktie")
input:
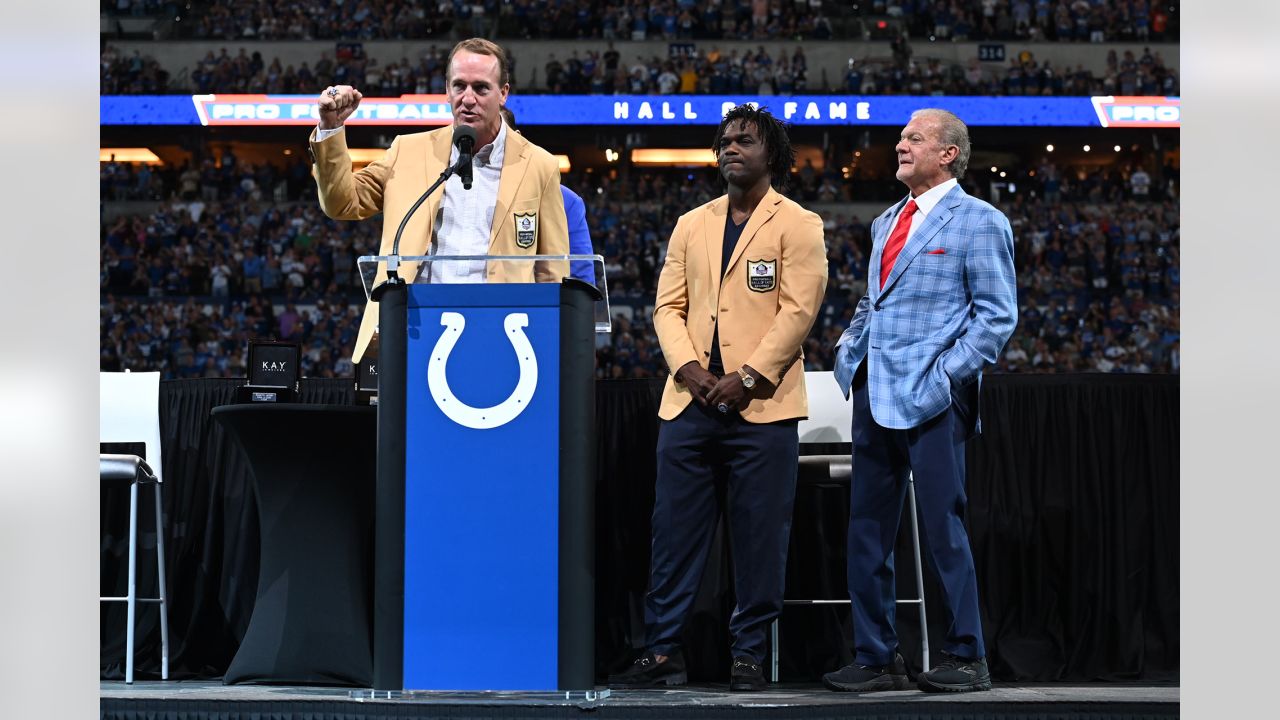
column 897, row 239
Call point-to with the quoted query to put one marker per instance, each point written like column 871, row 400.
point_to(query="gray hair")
column 953, row 132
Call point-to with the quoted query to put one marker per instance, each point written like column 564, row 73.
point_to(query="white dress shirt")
column 924, row 205
column 464, row 222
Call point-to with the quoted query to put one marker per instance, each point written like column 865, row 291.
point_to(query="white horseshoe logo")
column 505, row 411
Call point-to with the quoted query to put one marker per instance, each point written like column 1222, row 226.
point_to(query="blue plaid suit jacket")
column 948, row 306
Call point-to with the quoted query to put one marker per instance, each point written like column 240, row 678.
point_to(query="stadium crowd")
column 592, row 72
column 1053, row 20
column 238, row 251
column 607, row 73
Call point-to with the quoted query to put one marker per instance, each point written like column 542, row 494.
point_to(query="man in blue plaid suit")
column 941, row 302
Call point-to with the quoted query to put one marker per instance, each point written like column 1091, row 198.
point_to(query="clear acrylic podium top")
column 457, row 269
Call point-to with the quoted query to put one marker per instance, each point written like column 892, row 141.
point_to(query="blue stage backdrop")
column 482, row 488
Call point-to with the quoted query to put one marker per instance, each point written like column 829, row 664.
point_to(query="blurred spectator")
column 134, row 74
column 1140, row 183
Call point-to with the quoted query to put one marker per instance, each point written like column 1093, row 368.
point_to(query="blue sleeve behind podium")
column 481, row 505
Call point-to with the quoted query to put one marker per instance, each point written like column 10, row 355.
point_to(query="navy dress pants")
column 759, row 461
column 933, row 453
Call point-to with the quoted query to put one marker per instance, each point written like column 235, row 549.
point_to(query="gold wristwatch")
column 748, row 382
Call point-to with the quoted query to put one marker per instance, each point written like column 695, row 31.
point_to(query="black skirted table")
column 313, row 472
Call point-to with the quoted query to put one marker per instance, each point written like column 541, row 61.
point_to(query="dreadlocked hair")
column 773, row 133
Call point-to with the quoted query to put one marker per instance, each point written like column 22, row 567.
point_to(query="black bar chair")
column 129, row 411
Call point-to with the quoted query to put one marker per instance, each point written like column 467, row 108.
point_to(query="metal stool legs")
column 131, row 599
column 164, row 595
column 918, row 600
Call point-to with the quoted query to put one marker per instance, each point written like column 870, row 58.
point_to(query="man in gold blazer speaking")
column 740, row 288
column 514, row 206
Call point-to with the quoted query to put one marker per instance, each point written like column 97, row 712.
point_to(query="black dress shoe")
column 955, row 674
column 869, row 678
column 647, row 672
column 746, row 675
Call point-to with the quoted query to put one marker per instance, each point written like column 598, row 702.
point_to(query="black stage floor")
column 194, row 700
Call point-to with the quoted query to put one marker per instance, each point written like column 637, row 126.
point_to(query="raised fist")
column 336, row 103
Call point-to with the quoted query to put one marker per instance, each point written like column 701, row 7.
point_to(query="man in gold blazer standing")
column 742, row 283
column 515, row 183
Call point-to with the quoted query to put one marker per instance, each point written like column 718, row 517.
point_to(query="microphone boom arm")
column 393, row 265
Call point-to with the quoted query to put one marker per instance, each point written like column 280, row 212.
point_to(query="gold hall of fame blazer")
column 766, row 302
column 530, row 185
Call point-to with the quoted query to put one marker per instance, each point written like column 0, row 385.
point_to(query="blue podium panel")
column 482, row 487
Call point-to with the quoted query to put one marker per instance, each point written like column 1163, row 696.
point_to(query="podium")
column 484, row 506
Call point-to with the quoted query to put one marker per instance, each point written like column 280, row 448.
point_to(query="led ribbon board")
column 651, row 110
column 1138, row 111
column 302, row 110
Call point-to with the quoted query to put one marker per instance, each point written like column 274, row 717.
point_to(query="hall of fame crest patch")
column 526, row 229
column 762, row 275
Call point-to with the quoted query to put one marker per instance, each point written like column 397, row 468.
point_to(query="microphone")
column 464, row 138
